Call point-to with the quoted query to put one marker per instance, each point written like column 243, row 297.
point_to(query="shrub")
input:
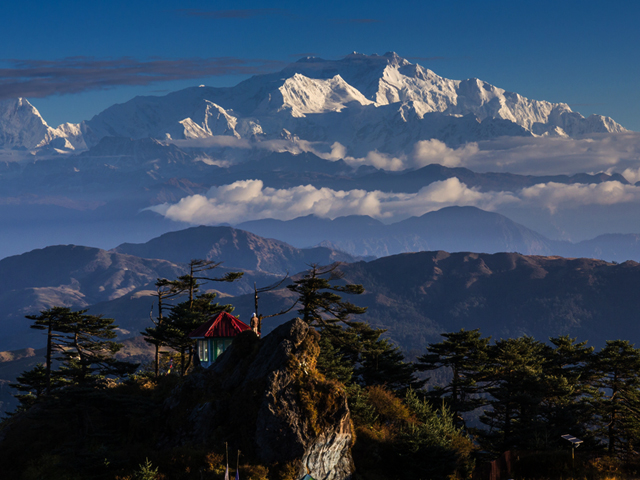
column 388, row 407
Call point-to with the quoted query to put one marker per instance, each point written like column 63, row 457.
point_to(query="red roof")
column 222, row 325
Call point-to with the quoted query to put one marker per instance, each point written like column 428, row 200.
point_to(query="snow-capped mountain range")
column 22, row 127
column 363, row 102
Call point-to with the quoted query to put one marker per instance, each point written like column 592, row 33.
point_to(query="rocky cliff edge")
column 265, row 398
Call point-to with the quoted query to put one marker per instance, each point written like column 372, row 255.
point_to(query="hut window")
column 219, row 346
column 203, row 350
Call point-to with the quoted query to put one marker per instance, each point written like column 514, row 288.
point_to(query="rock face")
column 266, row 398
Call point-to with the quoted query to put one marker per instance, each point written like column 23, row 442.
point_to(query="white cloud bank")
column 250, row 200
column 553, row 196
column 538, row 155
column 522, row 155
column 553, row 156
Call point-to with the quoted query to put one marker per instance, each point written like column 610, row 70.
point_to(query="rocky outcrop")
column 266, row 398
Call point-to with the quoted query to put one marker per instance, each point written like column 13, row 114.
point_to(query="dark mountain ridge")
column 418, row 296
column 67, row 275
column 236, row 248
column 80, row 277
column 450, row 228
column 454, row 229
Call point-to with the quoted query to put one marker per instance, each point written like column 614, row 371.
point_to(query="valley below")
column 460, row 208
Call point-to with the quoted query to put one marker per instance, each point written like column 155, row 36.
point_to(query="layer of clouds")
column 426, row 152
column 609, row 153
column 618, row 153
column 250, row 200
column 334, row 152
column 553, row 156
column 538, row 155
column 41, row 78
column 631, row 174
column 553, row 196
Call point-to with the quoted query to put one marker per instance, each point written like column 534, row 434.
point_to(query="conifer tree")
column 173, row 330
column 194, row 279
column 618, row 405
column 165, row 291
column 84, row 345
column 379, row 362
column 184, row 318
column 515, row 379
column 33, row 385
column 358, row 353
column 88, row 350
column 55, row 321
column 320, row 300
column 332, row 362
column 566, row 407
column 432, row 444
column 464, row 354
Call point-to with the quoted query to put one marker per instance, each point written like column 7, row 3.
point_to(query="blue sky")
column 73, row 59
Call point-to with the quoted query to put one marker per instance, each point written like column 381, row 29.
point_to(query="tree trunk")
column 49, row 348
column 83, row 363
column 158, row 343
column 612, row 419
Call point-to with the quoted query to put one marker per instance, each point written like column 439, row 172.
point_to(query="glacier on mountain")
column 364, row 102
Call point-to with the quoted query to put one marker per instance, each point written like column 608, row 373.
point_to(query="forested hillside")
column 417, row 296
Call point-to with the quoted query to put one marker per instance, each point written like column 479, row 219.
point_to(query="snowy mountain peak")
column 396, row 60
column 363, row 102
column 21, row 125
column 303, row 95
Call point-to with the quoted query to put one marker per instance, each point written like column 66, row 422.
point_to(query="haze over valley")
column 360, row 158
column 319, row 240
column 366, row 135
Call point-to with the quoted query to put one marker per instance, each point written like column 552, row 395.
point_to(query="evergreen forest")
column 446, row 414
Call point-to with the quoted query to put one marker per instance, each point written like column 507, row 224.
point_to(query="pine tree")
column 196, row 267
column 184, row 318
column 85, row 347
column 320, row 300
column 351, row 345
column 515, row 379
column 565, row 408
column 432, row 446
column 88, row 350
column 165, row 291
column 359, row 353
column 464, row 354
column 618, row 405
column 55, row 321
column 33, row 385
column 173, row 330
column 332, row 363
column 323, row 307
column 380, row 362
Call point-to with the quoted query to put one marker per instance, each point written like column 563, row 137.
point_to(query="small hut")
column 215, row 336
